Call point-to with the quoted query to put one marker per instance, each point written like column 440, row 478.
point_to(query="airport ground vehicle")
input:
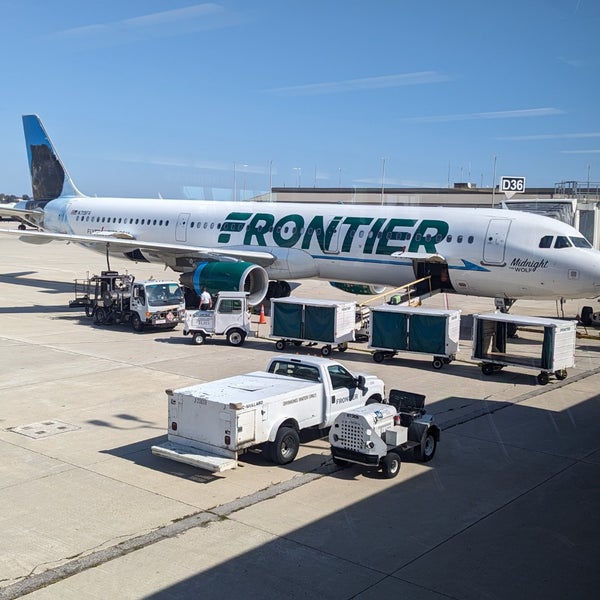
column 229, row 317
column 375, row 435
column 394, row 328
column 299, row 320
column 210, row 424
column 112, row 297
column 548, row 347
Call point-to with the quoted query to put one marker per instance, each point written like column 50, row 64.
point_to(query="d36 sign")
column 512, row 184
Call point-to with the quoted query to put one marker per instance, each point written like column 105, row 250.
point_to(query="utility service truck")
column 230, row 317
column 211, row 423
column 112, row 297
column 376, row 435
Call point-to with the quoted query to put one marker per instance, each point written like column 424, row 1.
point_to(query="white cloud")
column 478, row 116
column 550, row 136
column 366, row 83
column 162, row 23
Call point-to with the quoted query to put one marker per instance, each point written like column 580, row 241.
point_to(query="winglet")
column 49, row 178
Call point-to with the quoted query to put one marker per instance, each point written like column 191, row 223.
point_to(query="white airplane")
column 258, row 246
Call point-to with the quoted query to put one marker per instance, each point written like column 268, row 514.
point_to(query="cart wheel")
column 326, row 350
column 437, row 363
column 343, row 347
column 285, row 447
column 198, row 338
column 391, row 465
column 236, row 337
column 425, row 451
column 280, row 344
column 543, row 378
column 562, row 374
column 487, row 368
column 378, row 356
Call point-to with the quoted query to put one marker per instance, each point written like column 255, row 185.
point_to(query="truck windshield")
column 160, row 294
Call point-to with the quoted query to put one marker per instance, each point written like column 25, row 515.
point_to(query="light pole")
column 234, row 184
column 244, row 183
column 270, row 181
column 382, row 178
column 298, row 175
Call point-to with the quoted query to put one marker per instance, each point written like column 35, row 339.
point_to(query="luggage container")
column 419, row 330
column 547, row 345
column 299, row 320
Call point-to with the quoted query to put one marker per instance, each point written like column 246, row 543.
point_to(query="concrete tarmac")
column 508, row 508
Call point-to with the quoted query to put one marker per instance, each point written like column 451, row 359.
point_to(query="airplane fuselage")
column 488, row 252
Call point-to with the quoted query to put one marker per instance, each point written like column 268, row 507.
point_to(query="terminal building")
column 575, row 203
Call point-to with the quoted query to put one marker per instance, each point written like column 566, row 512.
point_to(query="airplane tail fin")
column 49, row 178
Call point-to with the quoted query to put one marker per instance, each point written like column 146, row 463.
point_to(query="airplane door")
column 181, row 227
column 495, row 241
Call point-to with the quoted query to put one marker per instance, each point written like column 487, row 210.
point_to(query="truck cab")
column 156, row 303
column 230, row 317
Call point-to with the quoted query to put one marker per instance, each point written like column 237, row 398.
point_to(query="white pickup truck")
column 211, row 423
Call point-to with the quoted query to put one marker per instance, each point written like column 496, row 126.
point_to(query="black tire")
column 285, row 447
column 198, row 338
column 543, row 378
column 100, row 316
column 487, row 368
column 280, row 345
column 390, row 465
column 586, row 315
column 136, row 322
column 437, row 363
column 235, row 337
column 561, row 374
column 372, row 400
column 425, row 451
column 343, row 347
column 326, row 350
column 378, row 356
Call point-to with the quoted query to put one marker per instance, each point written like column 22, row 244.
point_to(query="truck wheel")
column 562, row 374
column 198, row 338
column 280, row 345
column 437, row 363
column 236, row 337
column 543, row 378
column 391, row 465
column 100, row 316
column 372, row 400
column 285, row 447
column 378, row 356
column 136, row 322
column 326, row 350
column 425, row 451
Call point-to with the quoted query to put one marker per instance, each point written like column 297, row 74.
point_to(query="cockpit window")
column 562, row 242
column 546, row 241
column 580, row 242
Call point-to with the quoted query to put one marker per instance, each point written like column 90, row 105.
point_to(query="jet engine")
column 358, row 288
column 228, row 276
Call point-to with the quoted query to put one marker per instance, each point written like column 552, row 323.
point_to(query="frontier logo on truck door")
column 377, row 236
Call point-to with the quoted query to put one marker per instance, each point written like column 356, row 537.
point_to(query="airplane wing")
column 124, row 242
column 426, row 256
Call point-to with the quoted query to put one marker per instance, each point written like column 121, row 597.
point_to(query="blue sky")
column 149, row 97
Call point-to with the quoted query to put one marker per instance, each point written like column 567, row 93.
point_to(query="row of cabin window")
column 122, row 220
column 391, row 235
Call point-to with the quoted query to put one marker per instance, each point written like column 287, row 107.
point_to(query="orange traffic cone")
column 262, row 320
